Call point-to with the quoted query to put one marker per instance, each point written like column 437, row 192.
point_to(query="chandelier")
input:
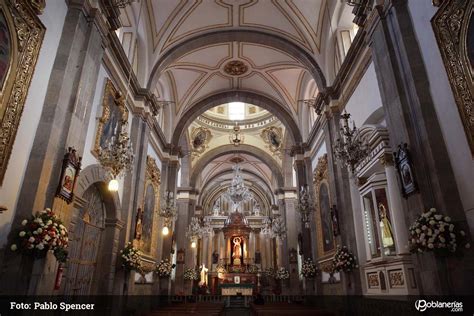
column 168, row 212
column 349, row 149
column 197, row 229
column 305, row 205
column 274, row 228
column 117, row 157
column 236, row 137
column 237, row 193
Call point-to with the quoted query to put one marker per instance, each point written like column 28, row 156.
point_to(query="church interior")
column 236, row 157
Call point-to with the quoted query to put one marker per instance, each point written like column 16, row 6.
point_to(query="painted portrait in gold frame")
column 114, row 117
column 325, row 235
column 21, row 36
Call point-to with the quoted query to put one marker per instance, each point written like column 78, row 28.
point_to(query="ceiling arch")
column 259, row 100
column 220, row 151
column 277, row 42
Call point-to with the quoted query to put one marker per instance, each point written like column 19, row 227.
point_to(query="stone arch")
column 104, row 273
column 244, row 96
column 226, row 149
column 232, row 35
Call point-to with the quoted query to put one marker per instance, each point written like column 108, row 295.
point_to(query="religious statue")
column 386, row 228
column 237, row 253
column 138, row 224
column 204, row 270
column 215, row 257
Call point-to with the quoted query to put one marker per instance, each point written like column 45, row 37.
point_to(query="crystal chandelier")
column 168, row 212
column 236, row 137
column 197, row 229
column 349, row 149
column 237, row 193
column 117, row 157
column 305, row 205
column 274, row 227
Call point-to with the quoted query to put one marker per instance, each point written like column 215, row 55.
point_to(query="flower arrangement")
column 309, row 269
column 190, row 274
column 164, row 268
column 131, row 258
column 269, row 272
column 282, row 274
column 344, row 260
column 43, row 232
column 434, row 232
column 220, row 268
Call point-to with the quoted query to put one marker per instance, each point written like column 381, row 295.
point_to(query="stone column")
column 292, row 230
column 411, row 118
column 63, row 123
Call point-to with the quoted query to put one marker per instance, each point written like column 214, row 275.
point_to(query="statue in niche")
column 138, row 224
column 237, row 253
column 386, row 228
column 204, row 270
column 215, row 257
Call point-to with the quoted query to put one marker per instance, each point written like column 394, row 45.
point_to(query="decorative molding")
column 451, row 28
column 200, row 138
column 27, row 33
column 235, row 68
column 38, row 6
column 273, row 137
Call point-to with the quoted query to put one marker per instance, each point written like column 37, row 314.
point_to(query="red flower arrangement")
column 43, row 232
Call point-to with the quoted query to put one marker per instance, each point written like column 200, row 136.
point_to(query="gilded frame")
column 153, row 178
column 118, row 100
column 321, row 177
column 451, row 27
column 26, row 34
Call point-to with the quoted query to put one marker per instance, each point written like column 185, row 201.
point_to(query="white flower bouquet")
column 190, row 274
column 164, row 268
column 434, row 232
column 43, row 232
column 344, row 260
column 131, row 258
column 309, row 269
column 282, row 274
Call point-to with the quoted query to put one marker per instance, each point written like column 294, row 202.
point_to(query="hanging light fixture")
column 194, row 231
column 274, row 228
column 117, row 157
column 349, row 149
column 305, row 205
column 168, row 212
column 236, row 137
column 121, row 3
column 237, row 193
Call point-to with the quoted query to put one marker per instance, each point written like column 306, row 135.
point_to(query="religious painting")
column 114, row 117
column 69, row 173
column 453, row 27
column 200, row 138
column 404, row 166
column 237, row 279
column 5, row 49
column 324, row 215
column 148, row 218
column 273, row 137
column 21, row 36
column 138, row 224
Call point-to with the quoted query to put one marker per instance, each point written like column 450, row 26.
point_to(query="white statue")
column 203, row 275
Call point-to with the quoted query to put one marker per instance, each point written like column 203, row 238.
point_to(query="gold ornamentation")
column 200, row 138
column 112, row 97
column 373, row 280
column 235, row 68
column 451, row 27
column 30, row 33
column 386, row 159
column 320, row 178
column 396, row 277
column 38, row 6
column 153, row 178
column 272, row 136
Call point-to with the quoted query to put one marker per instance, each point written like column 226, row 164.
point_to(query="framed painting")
column 114, row 117
column 21, row 36
column 324, row 216
column 405, row 170
column 69, row 173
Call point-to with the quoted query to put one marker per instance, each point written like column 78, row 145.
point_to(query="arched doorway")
column 85, row 243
